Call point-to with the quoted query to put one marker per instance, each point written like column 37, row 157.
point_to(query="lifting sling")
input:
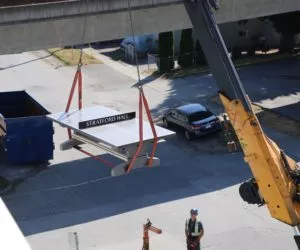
column 142, row 102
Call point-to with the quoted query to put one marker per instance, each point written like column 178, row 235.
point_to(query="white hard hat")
column 194, row 211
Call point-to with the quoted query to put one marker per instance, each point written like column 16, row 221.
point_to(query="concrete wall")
column 230, row 34
column 59, row 24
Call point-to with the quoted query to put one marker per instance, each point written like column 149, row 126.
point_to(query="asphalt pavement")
column 275, row 86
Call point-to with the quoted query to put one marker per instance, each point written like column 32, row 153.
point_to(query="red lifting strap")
column 78, row 79
column 152, row 128
column 143, row 100
column 140, row 133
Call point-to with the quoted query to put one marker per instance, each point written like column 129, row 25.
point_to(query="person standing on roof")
column 193, row 231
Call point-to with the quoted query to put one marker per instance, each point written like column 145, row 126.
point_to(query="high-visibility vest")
column 196, row 231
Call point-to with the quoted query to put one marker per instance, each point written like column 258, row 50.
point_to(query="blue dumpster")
column 29, row 134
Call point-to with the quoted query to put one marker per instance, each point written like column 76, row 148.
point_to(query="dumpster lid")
column 116, row 132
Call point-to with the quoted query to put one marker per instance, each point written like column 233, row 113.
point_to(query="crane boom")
column 276, row 176
column 208, row 34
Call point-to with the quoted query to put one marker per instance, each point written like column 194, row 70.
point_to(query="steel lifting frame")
column 134, row 157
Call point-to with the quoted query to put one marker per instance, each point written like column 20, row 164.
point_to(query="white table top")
column 115, row 134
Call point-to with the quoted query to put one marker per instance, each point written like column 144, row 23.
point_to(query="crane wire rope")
column 142, row 100
column 78, row 79
column 134, row 43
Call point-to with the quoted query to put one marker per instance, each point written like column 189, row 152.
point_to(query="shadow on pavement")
column 82, row 191
column 265, row 81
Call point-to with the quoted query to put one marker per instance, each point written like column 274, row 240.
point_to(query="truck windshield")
column 198, row 116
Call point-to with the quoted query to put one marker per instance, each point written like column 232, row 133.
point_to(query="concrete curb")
column 276, row 112
column 128, row 70
column 238, row 65
column 67, row 62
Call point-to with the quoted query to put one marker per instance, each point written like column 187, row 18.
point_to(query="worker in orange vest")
column 193, row 231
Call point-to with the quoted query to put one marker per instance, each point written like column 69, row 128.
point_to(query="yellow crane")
column 276, row 176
